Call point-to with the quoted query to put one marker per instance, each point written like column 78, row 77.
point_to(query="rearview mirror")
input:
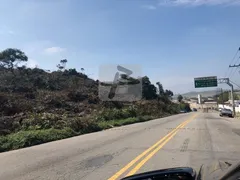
column 172, row 173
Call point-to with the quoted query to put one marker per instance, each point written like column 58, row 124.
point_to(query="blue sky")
column 173, row 41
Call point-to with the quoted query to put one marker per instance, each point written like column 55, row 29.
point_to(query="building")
column 199, row 99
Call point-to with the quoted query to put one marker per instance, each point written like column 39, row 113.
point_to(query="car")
column 194, row 109
column 207, row 171
column 226, row 112
column 183, row 111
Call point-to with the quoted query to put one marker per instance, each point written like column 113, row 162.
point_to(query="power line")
column 235, row 84
column 235, row 55
column 236, row 66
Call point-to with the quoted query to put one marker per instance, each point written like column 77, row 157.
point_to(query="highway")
column 190, row 139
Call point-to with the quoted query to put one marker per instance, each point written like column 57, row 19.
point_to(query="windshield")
column 227, row 110
column 94, row 89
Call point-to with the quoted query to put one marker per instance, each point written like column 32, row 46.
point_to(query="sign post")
column 212, row 81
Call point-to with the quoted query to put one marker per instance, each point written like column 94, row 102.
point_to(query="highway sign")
column 201, row 82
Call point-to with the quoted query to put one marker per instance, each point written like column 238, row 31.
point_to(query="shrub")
column 41, row 121
column 29, row 138
column 83, row 125
column 112, row 114
column 112, row 104
column 14, row 105
column 77, row 96
column 30, row 95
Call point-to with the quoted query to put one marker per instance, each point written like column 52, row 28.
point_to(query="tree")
column 236, row 97
column 125, row 79
column 72, row 72
column 180, row 98
column 185, row 106
column 223, row 97
column 62, row 64
column 82, row 69
column 168, row 93
column 11, row 58
column 160, row 88
column 149, row 90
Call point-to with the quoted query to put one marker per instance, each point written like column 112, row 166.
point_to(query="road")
column 192, row 139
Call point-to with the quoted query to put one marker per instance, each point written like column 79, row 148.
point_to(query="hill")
column 209, row 93
column 39, row 106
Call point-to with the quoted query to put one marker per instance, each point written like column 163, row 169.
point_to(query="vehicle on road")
column 194, row 109
column 226, row 112
column 221, row 171
column 183, row 111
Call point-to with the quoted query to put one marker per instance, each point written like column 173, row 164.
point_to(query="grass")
column 238, row 115
column 27, row 138
column 121, row 122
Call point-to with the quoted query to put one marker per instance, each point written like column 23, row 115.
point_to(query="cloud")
column 53, row 50
column 149, row 7
column 198, row 2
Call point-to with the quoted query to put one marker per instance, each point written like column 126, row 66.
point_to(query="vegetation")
column 39, row 106
column 180, row 98
column 185, row 106
column 224, row 96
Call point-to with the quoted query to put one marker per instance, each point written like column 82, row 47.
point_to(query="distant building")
column 210, row 99
column 199, row 99
column 236, row 102
column 193, row 100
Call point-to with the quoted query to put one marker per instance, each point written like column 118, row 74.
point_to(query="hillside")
column 39, row 106
column 209, row 93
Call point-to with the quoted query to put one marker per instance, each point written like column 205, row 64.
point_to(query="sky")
column 173, row 41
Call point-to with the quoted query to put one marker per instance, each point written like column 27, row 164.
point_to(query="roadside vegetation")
column 38, row 106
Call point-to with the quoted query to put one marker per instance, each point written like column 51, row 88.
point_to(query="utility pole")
column 222, row 97
column 217, row 96
column 233, row 105
column 232, row 91
column 235, row 65
column 226, row 80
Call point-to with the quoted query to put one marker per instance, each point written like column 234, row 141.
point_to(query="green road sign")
column 202, row 82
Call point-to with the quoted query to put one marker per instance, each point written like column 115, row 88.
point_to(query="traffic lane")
column 172, row 153
column 202, row 141
column 78, row 157
column 134, row 148
column 225, row 136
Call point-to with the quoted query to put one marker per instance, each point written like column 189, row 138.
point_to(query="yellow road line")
column 139, row 165
column 125, row 168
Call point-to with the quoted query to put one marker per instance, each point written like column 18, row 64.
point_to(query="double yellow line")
column 157, row 146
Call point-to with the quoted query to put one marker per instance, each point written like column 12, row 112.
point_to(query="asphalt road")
column 192, row 139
